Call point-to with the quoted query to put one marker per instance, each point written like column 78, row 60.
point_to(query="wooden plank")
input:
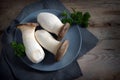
column 106, row 32
column 102, row 11
column 10, row 9
column 102, row 62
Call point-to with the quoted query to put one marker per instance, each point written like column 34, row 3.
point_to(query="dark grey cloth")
column 16, row 70
column 11, row 68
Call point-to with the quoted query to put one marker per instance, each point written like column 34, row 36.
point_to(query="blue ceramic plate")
column 49, row 64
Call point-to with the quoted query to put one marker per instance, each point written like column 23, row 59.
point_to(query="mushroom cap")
column 63, row 31
column 49, row 22
column 33, row 50
column 27, row 26
column 62, row 50
column 36, row 56
column 47, row 41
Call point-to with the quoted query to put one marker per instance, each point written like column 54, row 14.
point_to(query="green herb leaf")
column 14, row 44
column 18, row 48
column 86, row 16
column 69, row 20
column 64, row 14
column 84, row 24
column 76, row 17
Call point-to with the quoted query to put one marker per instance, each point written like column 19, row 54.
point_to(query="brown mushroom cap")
column 62, row 50
column 63, row 31
column 27, row 25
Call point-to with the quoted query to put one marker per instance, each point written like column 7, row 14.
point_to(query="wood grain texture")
column 102, row 62
column 9, row 9
column 102, row 11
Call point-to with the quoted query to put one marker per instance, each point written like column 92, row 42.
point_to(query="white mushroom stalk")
column 32, row 48
column 51, row 23
column 49, row 43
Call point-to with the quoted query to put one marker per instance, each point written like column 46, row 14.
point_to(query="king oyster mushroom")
column 51, row 23
column 32, row 48
column 47, row 41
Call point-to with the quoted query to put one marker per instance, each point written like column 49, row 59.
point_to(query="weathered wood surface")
column 102, row 62
column 9, row 9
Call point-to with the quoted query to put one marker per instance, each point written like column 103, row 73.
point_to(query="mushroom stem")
column 33, row 50
column 51, row 23
column 63, row 31
column 46, row 40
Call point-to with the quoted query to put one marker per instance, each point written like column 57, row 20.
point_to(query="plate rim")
column 77, row 54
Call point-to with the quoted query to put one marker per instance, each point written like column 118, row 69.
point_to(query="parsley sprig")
column 76, row 17
column 18, row 48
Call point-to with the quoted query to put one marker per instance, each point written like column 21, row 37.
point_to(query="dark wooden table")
column 103, row 61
